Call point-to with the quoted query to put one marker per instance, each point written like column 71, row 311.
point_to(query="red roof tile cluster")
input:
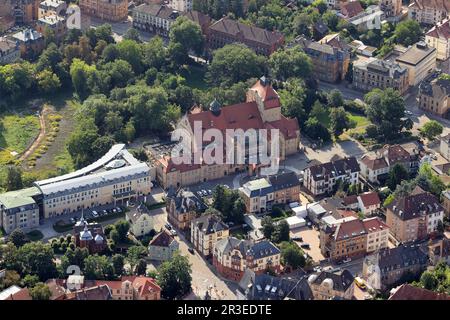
column 442, row 30
column 370, row 199
column 409, row 292
column 23, row 294
column 374, row 224
column 351, row 9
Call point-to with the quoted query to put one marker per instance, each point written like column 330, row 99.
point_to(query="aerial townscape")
column 116, row 182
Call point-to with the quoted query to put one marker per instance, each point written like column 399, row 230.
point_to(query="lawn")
column 361, row 122
column 16, row 133
column 195, row 77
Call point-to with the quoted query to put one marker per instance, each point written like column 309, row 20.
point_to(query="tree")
column 315, row 130
column 114, row 236
column 40, row 292
column 302, row 24
column 30, row 281
column 386, row 110
column 97, row 267
column 397, row 174
column 234, row 63
column 13, row 178
column 281, row 232
column 141, row 268
column 335, row 98
column 292, row 256
column 18, row 237
column 238, row 210
column 118, row 262
column 175, row 277
column 268, row 227
column 431, row 129
column 122, row 226
column 188, row 34
column 134, row 254
column 131, row 52
column 37, row 258
column 80, row 72
column 48, row 82
column 132, row 34
column 11, row 278
column 154, row 53
column 408, row 32
column 339, row 121
column 428, row 280
column 288, row 63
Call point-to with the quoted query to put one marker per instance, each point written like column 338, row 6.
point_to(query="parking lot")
column 310, row 236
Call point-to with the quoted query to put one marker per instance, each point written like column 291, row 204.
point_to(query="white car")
column 173, row 232
column 94, row 213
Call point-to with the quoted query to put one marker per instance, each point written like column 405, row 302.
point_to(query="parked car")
column 209, row 192
column 72, row 220
column 409, row 113
column 114, row 210
column 119, row 209
column 191, row 250
column 317, row 269
column 305, row 246
column 94, row 213
column 105, row 212
column 360, row 283
column 347, row 260
column 173, row 232
column 168, row 226
column 299, row 239
column 308, row 161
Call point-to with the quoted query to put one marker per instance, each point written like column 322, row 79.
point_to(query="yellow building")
column 206, row 231
column 110, row 10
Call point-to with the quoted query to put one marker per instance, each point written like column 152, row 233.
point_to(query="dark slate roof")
column 259, row 250
column 263, row 249
column 342, row 279
column 250, row 33
column 334, row 168
column 101, row 292
column 157, row 10
column 284, row 180
column 209, row 224
column 415, row 204
column 403, row 255
column 185, row 200
column 267, row 287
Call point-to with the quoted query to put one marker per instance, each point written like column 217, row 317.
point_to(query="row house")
column 323, row 178
column 415, row 216
column 260, row 111
column 226, row 31
column 429, row 12
column 375, row 168
column 439, row 37
column 389, row 266
column 154, row 18
column 329, row 285
column 110, row 10
column 353, row 238
column 182, row 207
column 434, row 94
column 375, row 73
column 9, row 51
column 232, row 257
column 206, row 231
column 330, row 57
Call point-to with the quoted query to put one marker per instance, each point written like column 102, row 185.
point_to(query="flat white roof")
column 110, row 155
column 294, row 220
column 5, row 294
column 93, row 178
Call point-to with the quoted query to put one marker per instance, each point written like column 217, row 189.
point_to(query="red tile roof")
column 162, row 239
column 349, row 200
column 23, row 294
column 370, row 199
column 442, row 30
column 408, row 292
column 349, row 229
column 351, row 9
column 267, row 93
column 374, row 224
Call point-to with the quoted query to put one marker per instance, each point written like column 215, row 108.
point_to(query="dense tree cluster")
column 228, row 204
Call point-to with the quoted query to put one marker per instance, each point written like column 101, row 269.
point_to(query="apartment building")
column 114, row 178
column 181, row 5
column 109, row 10
column 232, row 257
column 31, row 42
column 322, row 178
column 9, row 51
column 429, row 12
column 262, row 110
column 391, row 8
column 206, row 231
column 226, row 31
column 140, row 220
column 444, row 148
column 55, row 23
column 420, row 61
column 386, row 267
column 19, row 209
column 154, row 18
column 329, row 285
column 182, row 207
column 375, row 167
column 434, row 94
column 415, row 216
column 52, row 8
column 353, row 238
column 330, row 57
column 258, row 195
column 163, row 246
column 446, row 202
column 375, row 73
column 286, row 187
column 439, row 37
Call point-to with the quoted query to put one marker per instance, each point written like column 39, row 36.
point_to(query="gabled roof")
column 341, row 280
column 401, row 256
column 351, row 9
column 334, row 168
column 370, row 199
column 409, row 292
column 162, row 239
column 349, row 229
column 441, row 30
column 209, row 224
column 443, row 5
column 284, row 180
column 249, row 33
